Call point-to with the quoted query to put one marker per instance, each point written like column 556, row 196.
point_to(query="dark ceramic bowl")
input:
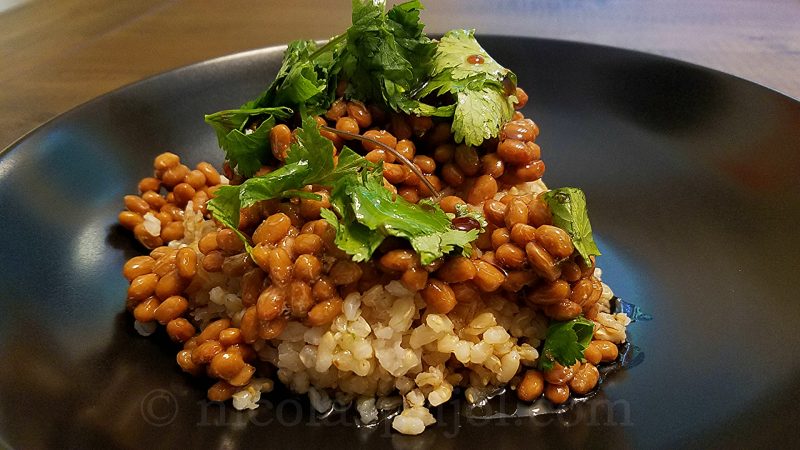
column 692, row 182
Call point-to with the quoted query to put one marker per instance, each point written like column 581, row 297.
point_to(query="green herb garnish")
column 309, row 161
column 246, row 150
column 568, row 206
column 366, row 212
column 385, row 58
column 483, row 89
column 566, row 342
column 387, row 53
column 306, row 81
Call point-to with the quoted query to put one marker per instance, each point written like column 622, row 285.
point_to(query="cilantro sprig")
column 367, row 213
column 463, row 69
column 306, row 81
column 309, row 161
column 387, row 54
column 566, row 342
column 246, row 149
column 568, row 206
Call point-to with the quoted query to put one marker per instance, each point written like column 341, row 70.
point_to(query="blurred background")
column 56, row 54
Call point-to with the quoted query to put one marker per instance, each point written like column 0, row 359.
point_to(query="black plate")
column 692, row 182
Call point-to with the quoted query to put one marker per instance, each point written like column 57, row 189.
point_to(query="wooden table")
column 55, row 54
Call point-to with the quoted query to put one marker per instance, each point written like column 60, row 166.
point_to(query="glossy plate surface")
column 692, row 182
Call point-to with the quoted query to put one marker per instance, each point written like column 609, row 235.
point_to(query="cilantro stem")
column 331, row 43
column 414, row 169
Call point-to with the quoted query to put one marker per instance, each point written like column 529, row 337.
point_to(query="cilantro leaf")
column 309, row 160
column 246, row 151
column 363, row 199
column 568, row 206
column 566, row 342
column 454, row 52
column 439, row 243
column 404, row 24
column 480, row 114
column 354, row 238
column 463, row 69
column 306, row 81
column 235, row 119
column 348, row 163
column 311, row 150
column 273, row 184
column 225, row 208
